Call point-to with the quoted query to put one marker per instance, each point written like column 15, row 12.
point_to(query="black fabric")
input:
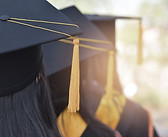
column 15, row 36
column 18, row 69
column 56, row 60
column 59, row 84
column 107, row 26
column 110, row 17
column 59, row 105
column 97, row 129
column 133, row 121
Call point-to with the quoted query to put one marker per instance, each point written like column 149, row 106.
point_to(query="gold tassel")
column 71, row 124
column 74, row 100
column 110, row 75
column 108, row 111
column 139, row 55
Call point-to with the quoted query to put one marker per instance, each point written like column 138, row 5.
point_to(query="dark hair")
column 59, row 84
column 28, row 113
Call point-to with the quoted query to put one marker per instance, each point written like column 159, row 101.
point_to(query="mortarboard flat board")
column 15, row 36
column 56, row 60
column 20, row 50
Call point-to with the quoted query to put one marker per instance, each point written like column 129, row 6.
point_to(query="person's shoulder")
column 133, row 120
column 97, row 129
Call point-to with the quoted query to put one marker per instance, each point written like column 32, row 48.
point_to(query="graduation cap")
column 107, row 24
column 24, row 26
column 115, row 104
column 92, row 42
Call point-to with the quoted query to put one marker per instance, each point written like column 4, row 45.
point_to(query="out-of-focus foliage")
column 155, row 16
column 156, row 34
column 128, row 33
column 151, row 78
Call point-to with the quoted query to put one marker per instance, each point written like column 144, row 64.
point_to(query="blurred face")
column 95, row 69
column 93, row 80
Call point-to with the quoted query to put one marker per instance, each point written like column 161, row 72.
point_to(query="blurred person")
column 134, row 121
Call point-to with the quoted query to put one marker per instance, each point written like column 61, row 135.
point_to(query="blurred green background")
column 146, row 84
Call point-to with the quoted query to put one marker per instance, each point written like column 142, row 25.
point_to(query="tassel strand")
column 139, row 55
column 74, row 97
column 110, row 75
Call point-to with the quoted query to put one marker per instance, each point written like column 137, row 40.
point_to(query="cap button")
column 4, row 18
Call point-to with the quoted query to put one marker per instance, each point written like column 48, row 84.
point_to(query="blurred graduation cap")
column 24, row 26
column 107, row 24
column 92, row 42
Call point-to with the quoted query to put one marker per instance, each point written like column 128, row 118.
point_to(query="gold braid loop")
column 94, row 40
column 85, row 46
column 49, row 22
column 37, row 27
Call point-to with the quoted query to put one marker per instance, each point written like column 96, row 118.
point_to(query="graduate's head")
column 25, row 103
column 28, row 112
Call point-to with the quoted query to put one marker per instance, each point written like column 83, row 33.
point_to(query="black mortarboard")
column 107, row 24
column 24, row 26
column 91, row 38
column 56, row 60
